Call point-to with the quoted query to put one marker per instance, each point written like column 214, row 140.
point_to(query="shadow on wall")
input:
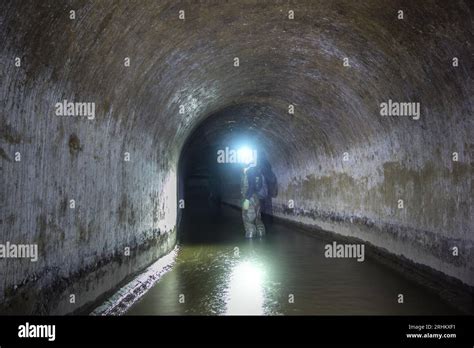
column 215, row 183
column 272, row 184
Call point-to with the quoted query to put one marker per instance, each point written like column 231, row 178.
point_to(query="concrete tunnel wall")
column 188, row 65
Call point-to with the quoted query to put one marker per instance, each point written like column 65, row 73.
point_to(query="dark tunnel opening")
column 213, row 159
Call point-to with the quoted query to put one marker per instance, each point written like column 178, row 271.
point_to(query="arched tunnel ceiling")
column 190, row 63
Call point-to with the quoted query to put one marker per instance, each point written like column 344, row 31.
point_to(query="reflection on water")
column 245, row 294
column 218, row 272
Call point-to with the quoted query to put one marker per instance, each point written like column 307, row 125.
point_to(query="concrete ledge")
column 130, row 293
column 49, row 295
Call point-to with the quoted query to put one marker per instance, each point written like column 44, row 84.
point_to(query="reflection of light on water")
column 245, row 294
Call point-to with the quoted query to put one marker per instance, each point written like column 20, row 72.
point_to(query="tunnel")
column 114, row 115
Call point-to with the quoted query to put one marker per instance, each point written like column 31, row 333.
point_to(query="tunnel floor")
column 217, row 271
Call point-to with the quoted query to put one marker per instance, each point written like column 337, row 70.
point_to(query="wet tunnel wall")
column 156, row 71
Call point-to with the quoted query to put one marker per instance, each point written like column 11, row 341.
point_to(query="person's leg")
column 259, row 226
column 248, row 217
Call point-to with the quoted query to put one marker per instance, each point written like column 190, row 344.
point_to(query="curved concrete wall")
column 183, row 71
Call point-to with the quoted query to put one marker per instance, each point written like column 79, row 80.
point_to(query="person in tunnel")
column 254, row 190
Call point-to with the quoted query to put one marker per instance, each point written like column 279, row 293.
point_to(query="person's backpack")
column 272, row 185
column 261, row 186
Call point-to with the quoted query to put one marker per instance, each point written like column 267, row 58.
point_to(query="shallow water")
column 218, row 272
